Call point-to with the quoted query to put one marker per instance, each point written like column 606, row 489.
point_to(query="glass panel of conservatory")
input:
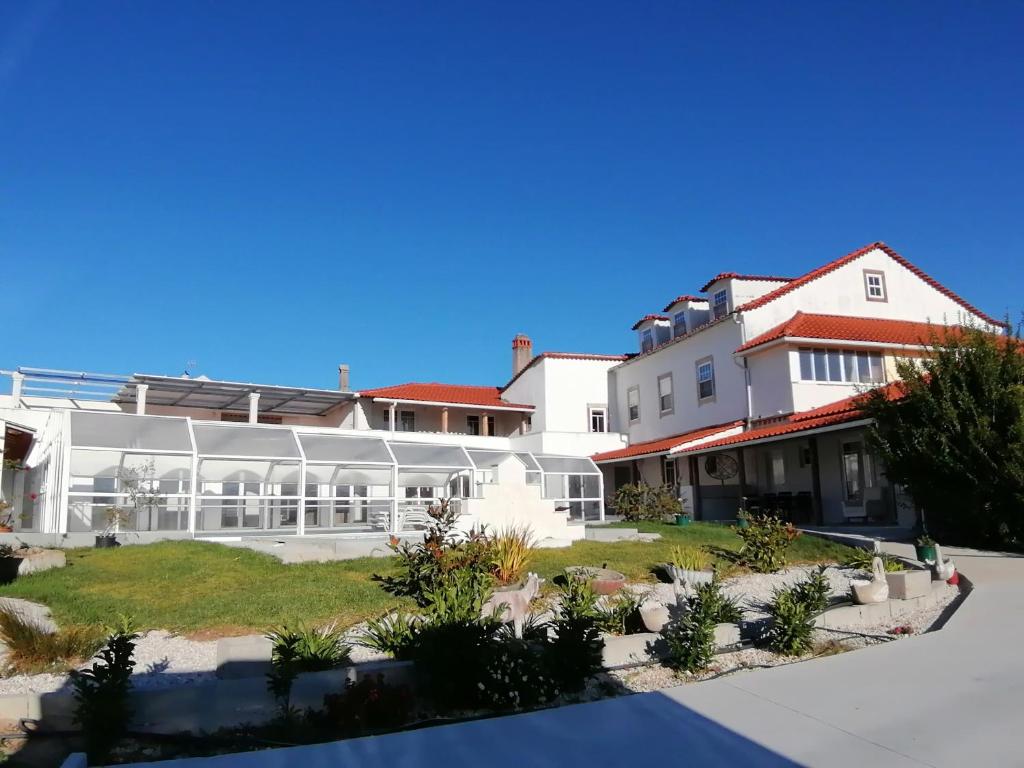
column 126, row 431
column 425, row 455
column 343, row 475
column 237, row 494
column 152, row 491
column 529, row 461
column 568, row 465
column 235, row 440
column 345, row 450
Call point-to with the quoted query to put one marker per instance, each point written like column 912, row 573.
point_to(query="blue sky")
column 270, row 189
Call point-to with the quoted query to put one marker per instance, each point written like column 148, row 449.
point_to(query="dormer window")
column 679, row 324
column 720, row 303
column 874, row 285
column 646, row 340
column 662, row 333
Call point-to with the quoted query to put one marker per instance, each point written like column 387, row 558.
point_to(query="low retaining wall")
column 876, row 613
column 647, row 647
column 205, row 706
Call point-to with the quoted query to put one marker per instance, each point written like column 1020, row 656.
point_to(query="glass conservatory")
column 97, row 471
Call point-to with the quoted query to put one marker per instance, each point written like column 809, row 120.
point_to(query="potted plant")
column 689, row 565
column 683, row 518
column 742, row 518
column 115, row 517
column 140, row 485
column 925, row 547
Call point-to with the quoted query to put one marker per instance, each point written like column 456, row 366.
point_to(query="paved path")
column 949, row 698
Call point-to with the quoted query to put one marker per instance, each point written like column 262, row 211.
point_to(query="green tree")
column 955, row 439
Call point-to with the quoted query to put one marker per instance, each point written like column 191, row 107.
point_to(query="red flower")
column 32, row 496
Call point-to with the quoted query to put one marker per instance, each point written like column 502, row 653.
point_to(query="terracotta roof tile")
column 738, row 276
column 457, row 394
column 842, row 328
column 684, row 297
column 832, row 266
column 839, row 412
column 645, row 318
column 664, row 445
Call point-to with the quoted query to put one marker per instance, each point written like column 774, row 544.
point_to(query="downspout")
column 738, row 319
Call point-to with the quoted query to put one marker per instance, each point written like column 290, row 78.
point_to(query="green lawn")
column 194, row 586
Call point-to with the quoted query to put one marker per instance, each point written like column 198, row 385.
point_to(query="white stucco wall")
column 680, row 359
column 562, row 389
column 841, row 292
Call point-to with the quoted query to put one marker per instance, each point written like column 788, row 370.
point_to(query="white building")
column 751, row 390
column 231, row 458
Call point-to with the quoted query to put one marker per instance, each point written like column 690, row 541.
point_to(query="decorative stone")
column 605, row 581
column 30, row 560
column 654, row 615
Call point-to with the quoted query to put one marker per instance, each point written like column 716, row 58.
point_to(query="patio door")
column 853, row 474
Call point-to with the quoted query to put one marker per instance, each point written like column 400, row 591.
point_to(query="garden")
column 454, row 627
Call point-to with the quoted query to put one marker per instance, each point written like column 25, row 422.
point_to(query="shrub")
column 862, row 559
column 515, row 677
column 393, row 634
column 639, row 501
column 722, row 609
column 765, row 542
column 813, row 591
column 369, row 706
column 691, row 638
column 32, row 649
column 619, row 614
column 792, row 612
column 510, row 553
column 101, row 692
column 690, row 558
column 574, row 654
column 924, row 540
column 424, row 565
column 301, row 649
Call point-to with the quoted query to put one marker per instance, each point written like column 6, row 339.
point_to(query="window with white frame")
column 844, row 366
column 777, row 468
column 633, row 403
column 598, row 416
column 705, row 378
column 662, row 334
column 874, row 285
column 679, row 324
column 720, row 303
column 472, row 424
column 665, row 403
column 668, row 471
column 646, row 340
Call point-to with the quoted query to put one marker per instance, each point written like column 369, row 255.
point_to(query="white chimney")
column 343, row 378
column 522, row 352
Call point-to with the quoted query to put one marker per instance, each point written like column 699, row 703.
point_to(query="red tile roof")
column 832, row 266
column 457, row 394
column 839, row 412
column 806, row 325
column 663, row 445
column 738, row 276
column 645, row 318
column 565, row 356
column 684, row 297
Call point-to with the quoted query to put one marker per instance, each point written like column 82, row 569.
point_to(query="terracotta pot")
column 604, row 581
column 6, row 529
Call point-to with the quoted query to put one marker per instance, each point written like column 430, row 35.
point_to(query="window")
column 662, row 333
column 633, row 403
column 490, row 422
column 874, row 285
column 679, row 324
column 777, row 468
column 529, row 424
column 668, row 471
column 841, row 366
column 853, row 473
column 598, row 419
column 646, row 340
column 473, row 425
column 408, row 422
column 720, row 304
column 665, row 393
column 705, row 379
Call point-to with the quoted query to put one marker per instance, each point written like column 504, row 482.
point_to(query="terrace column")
column 140, row 398
column 254, row 407
column 17, row 380
column 483, row 424
column 444, row 420
column 391, row 416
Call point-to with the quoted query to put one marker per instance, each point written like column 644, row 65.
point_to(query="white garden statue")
column 942, row 568
column 514, row 605
column 874, row 591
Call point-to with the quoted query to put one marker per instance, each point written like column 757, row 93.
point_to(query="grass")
column 32, row 649
column 213, row 590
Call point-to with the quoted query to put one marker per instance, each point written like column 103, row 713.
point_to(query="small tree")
column 142, row 488
column 955, row 439
column 640, row 501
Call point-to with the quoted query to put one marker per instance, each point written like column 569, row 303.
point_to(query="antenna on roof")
column 190, row 365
